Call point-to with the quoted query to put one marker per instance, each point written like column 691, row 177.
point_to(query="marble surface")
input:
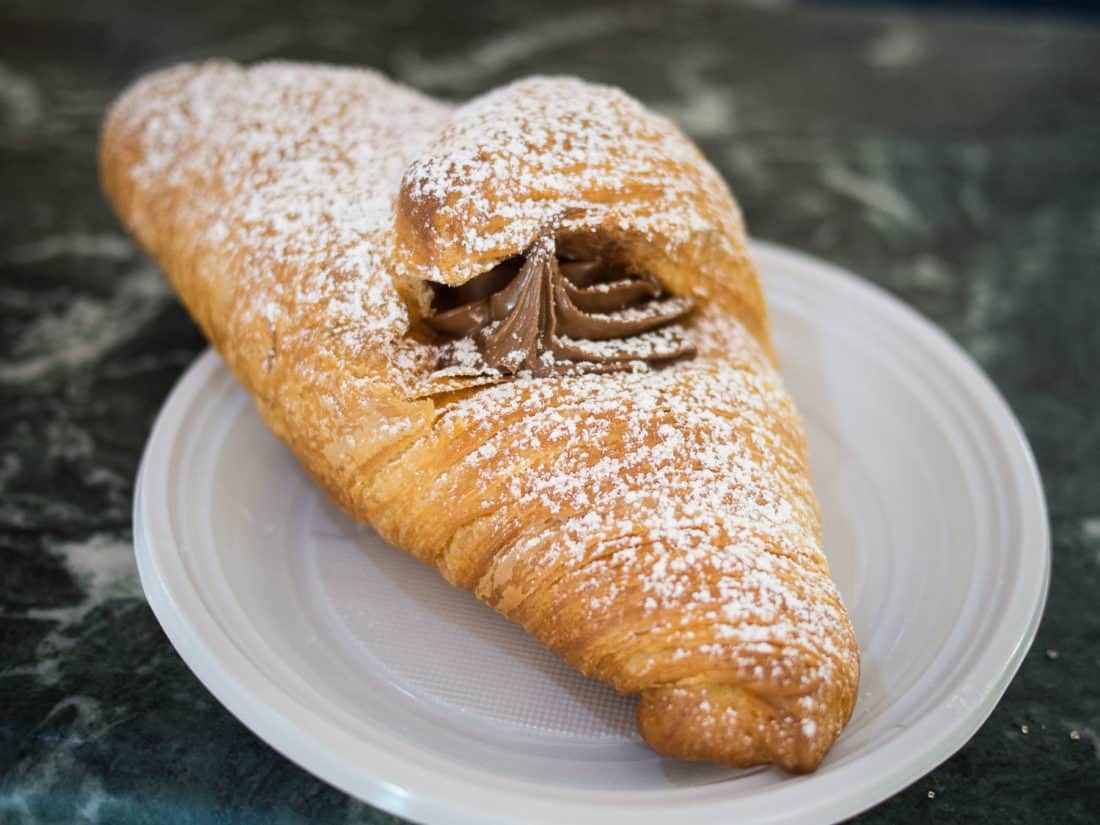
column 954, row 161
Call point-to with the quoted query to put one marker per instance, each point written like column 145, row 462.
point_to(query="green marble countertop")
column 953, row 161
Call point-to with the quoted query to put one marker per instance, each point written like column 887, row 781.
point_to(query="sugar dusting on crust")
column 675, row 500
column 309, row 159
column 539, row 137
column 707, row 523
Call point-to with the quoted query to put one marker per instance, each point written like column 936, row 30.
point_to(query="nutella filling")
column 548, row 316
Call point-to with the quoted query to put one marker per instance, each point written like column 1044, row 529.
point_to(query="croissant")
column 522, row 339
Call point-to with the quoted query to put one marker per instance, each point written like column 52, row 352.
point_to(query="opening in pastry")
column 547, row 313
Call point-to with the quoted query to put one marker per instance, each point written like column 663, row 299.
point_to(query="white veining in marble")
column 704, row 104
column 108, row 247
column 104, row 569
column 20, row 101
column 81, row 721
column 900, row 45
column 1090, row 532
column 876, row 193
column 87, row 328
column 464, row 69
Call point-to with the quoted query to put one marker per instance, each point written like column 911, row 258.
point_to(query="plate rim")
column 313, row 743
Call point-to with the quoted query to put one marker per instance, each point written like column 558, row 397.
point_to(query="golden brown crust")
column 589, row 159
column 655, row 529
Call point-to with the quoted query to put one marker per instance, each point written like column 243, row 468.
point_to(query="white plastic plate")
column 369, row 671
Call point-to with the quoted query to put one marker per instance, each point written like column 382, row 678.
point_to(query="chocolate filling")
column 549, row 316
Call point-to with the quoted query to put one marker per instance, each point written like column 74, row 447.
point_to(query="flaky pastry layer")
column 655, row 528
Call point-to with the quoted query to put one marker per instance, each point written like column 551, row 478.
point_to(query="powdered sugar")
column 525, row 152
column 670, row 491
column 308, row 160
column 671, row 501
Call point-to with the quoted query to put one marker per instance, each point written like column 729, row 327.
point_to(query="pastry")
column 523, row 339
